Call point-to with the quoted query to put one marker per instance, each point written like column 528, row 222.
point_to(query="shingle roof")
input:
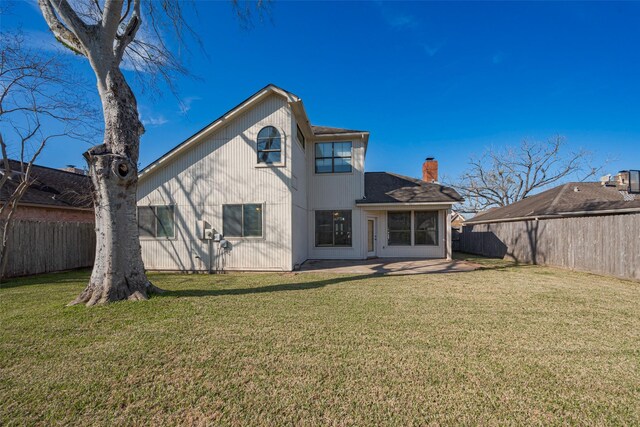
column 326, row 130
column 567, row 199
column 386, row 187
column 52, row 187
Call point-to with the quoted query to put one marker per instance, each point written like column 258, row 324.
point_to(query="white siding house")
column 280, row 191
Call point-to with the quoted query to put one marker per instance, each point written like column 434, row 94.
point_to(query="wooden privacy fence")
column 43, row 247
column 606, row 244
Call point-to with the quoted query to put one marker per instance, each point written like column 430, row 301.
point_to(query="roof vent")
column 576, row 189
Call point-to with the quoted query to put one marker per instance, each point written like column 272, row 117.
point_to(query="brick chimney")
column 430, row 170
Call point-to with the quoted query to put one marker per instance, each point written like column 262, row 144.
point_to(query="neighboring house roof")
column 457, row 216
column 571, row 199
column 386, row 187
column 51, row 188
column 326, row 130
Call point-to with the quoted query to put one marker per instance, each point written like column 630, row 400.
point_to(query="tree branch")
column 502, row 177
column 129, row 33
column 111, row 19
column 59, row 30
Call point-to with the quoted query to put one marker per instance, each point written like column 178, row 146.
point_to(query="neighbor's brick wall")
column 53, row 215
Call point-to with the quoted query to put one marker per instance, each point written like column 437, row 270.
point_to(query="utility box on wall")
column 204, row 231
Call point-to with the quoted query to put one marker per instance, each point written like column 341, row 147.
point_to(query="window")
column 333, row 228
column 242, row 220
column 426, row 228
column 399, row 227
column 300, row 137
column 634, row 181
column 269, row 145
column 333, row 157
column 156, row 221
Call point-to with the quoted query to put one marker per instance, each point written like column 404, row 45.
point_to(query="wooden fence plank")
column 604, row 244
column 43, row 247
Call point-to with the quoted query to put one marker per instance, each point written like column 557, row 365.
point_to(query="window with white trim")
column 333, row 228
column 156, row 221
column 412, row 228
column 269, row 145
column 242, row 220
column 399, row 228
column 426, row 228
column 333, row 157
column 300, row 136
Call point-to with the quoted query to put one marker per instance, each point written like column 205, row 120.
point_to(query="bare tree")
column 39, row 103
column 503, row 176
column 110, row 34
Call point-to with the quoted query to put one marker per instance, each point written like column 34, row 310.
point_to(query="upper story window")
column 269, row 145
column 333, row 157
column 300, row 137
column 156, row 221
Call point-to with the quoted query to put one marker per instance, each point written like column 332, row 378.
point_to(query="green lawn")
column 504, row 345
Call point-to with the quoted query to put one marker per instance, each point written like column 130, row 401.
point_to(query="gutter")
column 406, row 204
column 556, row 216
column 36, row 205
column 361, row 135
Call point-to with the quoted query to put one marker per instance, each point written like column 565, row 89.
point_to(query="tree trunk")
column 118, row 272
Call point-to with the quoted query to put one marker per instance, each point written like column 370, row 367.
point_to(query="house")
column 53, row 224
column 261, row 188
column 618, row 195
column 457, row 220
column 589, row 226
column 56, row 195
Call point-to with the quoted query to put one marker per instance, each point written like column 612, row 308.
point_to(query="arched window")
column 269, row 145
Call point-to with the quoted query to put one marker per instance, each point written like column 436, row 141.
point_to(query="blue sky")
column 442, row 79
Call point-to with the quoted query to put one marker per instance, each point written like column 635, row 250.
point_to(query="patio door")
column 371, row 237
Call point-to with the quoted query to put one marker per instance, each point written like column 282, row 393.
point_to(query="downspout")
column 210, row 256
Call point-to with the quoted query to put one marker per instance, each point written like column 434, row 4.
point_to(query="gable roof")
column 571, row 199
column 52, row 187
column 386, row 187
column 296, row 105
column 217, row 123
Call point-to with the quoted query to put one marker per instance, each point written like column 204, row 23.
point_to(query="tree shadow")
column 282, row 287
column 80, row 275
column 520, row 242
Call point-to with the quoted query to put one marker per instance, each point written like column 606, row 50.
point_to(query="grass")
column 503, row 345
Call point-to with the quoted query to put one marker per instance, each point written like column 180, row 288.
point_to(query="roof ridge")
column 417, row 180
column 556, row 199
column 50, row 168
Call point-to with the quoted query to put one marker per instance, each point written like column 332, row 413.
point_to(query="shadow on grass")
column 486, row 263
column 69, row 276
column 302, row 286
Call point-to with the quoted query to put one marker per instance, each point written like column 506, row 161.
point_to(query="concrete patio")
column 389, row 266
